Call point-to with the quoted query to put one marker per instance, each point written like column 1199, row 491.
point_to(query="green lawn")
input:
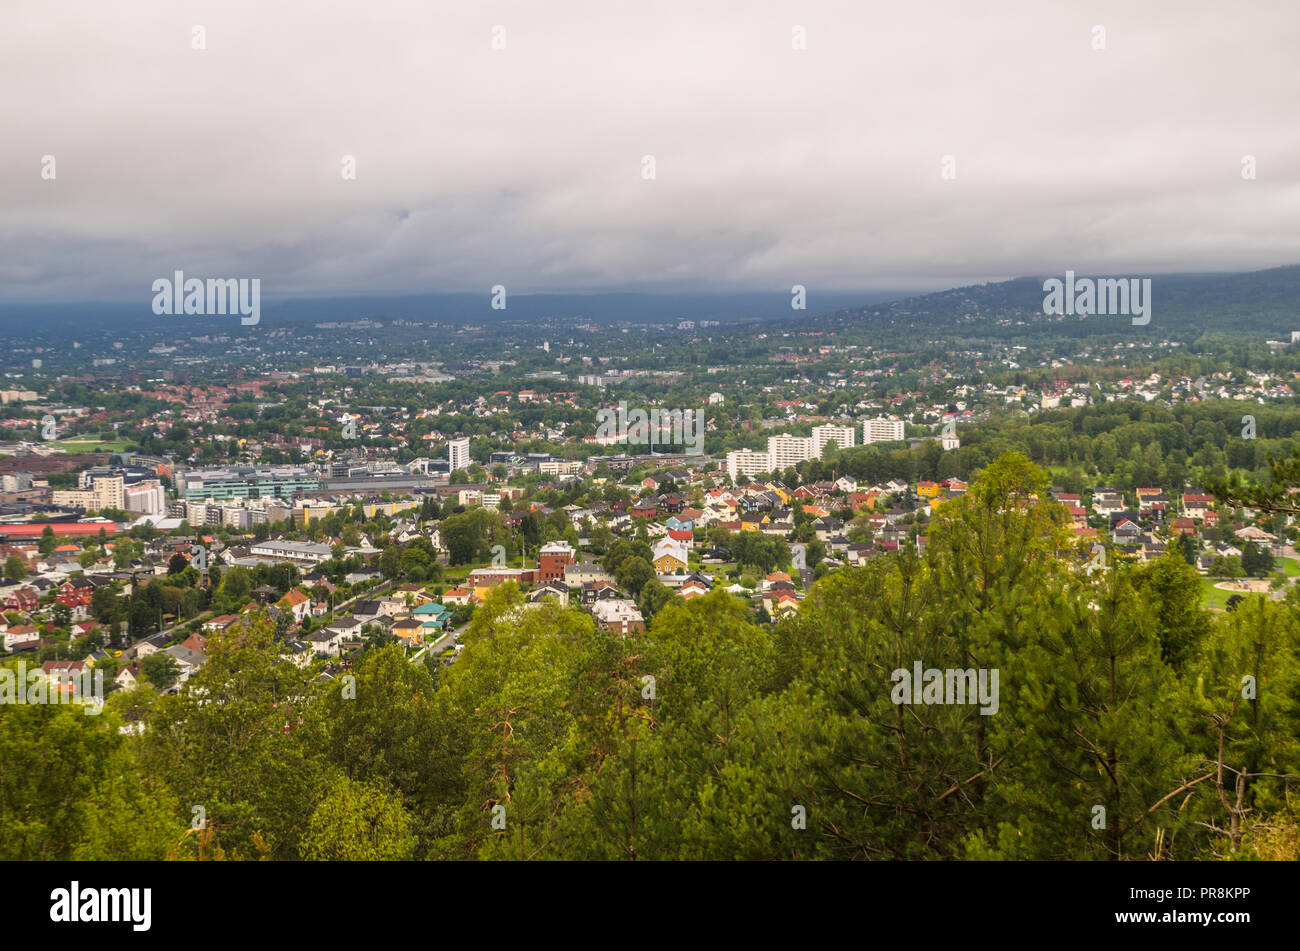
column 1211, row 597
column 1216, row 599
column 85, row 444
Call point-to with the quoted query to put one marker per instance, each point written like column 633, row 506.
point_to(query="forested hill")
column 1183, row 306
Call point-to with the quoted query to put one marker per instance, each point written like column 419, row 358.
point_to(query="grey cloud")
column 523, row 166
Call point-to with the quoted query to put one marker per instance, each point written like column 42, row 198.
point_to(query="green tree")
column 633, row 574
column 240, row 742
column 1173, row 588
column 15, row 568
column 236, row 587
column 1256, row 562
column 384, row 728
column 358, row 822
column 654, row 595
column 161, row 670
column 72, row 789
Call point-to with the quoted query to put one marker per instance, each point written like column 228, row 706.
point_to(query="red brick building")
column 551, row 561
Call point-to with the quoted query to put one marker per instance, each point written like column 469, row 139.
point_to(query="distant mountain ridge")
column 1266, row 301
column 603, row 308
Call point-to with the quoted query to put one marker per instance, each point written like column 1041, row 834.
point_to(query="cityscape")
column 585, row 434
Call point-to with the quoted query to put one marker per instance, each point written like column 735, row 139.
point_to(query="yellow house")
column 409, row 631
column 669, row 556
column 667, row 564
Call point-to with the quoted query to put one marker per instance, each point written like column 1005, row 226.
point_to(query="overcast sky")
column 523, row 166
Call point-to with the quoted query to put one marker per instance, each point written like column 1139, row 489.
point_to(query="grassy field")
column 1216, row 599
column 1213, row 598
column 84, row 444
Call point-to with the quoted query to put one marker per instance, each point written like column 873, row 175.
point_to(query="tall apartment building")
column 147, row 498
column 842, row 436
column 786, row 451
column 458, row 454
column 881, row 429
column 111, row 491
column 747, row 462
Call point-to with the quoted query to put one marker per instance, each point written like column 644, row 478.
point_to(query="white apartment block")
column 458, row 454
column 747, row 462
column 147, row 498
column 842, row 436
column 786, row 451
column 881, row 429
